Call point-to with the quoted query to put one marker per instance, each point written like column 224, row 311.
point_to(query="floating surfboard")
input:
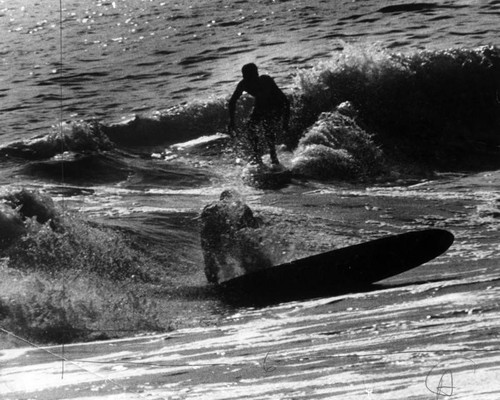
column 345, row 270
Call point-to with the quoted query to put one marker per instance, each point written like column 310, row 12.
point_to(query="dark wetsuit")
column 271, row 108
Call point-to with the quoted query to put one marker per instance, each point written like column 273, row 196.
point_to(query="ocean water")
column 153, row 73
column 114, row 61
column 156, row 72
column 133, row 56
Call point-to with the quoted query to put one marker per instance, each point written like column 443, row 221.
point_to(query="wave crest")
column 174, row 125
column 420, row 91
column 336, row 147
column 430, row 104
column 76, row 137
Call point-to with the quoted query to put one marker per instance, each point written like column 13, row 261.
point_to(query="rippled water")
column 126, row 56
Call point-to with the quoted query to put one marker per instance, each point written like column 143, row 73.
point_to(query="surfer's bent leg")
column 254, row 126
column 270, row 127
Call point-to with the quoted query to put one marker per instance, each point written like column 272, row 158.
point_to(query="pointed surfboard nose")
column 441, row 241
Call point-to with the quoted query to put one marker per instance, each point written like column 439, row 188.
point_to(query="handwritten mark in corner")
column 444, row 378
column 266, row 366
column 440, row 380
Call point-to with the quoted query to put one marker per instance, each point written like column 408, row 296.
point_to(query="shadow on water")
column 131, row 171
column 261, row 299
column 79, row 169
column 416, row 7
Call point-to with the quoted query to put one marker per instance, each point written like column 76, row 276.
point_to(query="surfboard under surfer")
column 270, row 114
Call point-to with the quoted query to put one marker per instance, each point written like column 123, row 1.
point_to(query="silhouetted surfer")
column 271, row 108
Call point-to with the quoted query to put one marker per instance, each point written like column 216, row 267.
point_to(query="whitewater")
column 131, row 79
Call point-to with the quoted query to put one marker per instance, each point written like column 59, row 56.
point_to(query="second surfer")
column 271, row 110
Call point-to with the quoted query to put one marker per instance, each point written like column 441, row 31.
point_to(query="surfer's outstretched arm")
column 232, row 106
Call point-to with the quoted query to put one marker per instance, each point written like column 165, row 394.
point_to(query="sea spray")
column 17, row 209
column 229, row 249
column 236, row 242
column 336, row 147
column 73, row 307
column 64, row 278
column 33, row 204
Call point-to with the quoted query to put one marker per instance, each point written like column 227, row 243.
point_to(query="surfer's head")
column 250, row 71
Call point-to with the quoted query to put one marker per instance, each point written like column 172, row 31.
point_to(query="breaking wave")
column 432, row 106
